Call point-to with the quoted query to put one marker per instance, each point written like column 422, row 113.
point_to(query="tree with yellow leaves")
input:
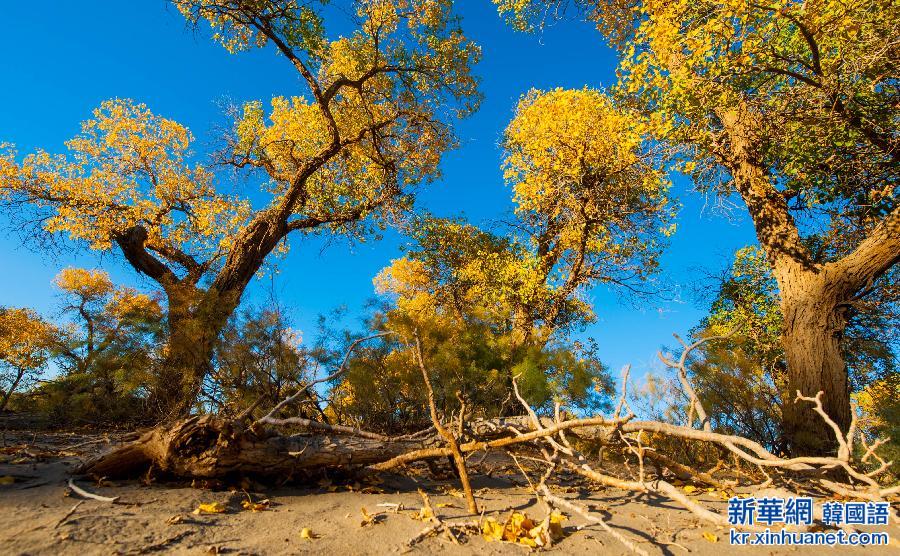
column 26, row 343
column 342, row 159
column 591, row 207
column 105, row 350
column 793, row 106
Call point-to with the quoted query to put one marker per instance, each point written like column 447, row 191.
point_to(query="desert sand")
column 40, row 515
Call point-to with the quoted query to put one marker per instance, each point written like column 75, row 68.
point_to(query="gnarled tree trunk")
column 195, row 320
column 814, row 323
column 813, row 294
column 210, row 447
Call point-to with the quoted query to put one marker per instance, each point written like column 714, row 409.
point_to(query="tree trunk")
column 15, row 384
column 814, row 322
column 211, row 447
column 194, row 328
column 813, row 294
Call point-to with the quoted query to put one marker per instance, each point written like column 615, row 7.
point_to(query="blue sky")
column 62, row 58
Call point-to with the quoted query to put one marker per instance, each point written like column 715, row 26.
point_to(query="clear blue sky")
column 62, row 58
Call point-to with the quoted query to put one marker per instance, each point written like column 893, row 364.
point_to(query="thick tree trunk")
column 195, row 324
column 814, row 322
column 813, row 294
column 209, row 447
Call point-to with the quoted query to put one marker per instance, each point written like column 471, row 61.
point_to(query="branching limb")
column 446, row 435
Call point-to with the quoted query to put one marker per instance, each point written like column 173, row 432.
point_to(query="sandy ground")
column 39, row 516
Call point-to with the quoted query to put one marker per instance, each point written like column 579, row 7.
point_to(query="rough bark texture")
column 209, row 447
column 814, row 296
column 197, row 316
column 191, row 342
column 814, row 323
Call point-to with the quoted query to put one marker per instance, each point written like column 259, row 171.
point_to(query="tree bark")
column 194, row 329
column 814, row 323
column 814, row 296
column 209, row 447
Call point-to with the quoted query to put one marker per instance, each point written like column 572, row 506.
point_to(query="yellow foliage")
column 306, row 533
column 519, row 528
column 210, row 508
column 127, row 167
column 25, row 339
column 711, row 537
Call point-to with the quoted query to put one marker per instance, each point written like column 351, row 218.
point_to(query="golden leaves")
column 87, row 284
column 25, row 339
column 210, row 508
column 711, row 537
column 368, row 520
column 520, row 529
column 260, row 506
column 307, row 534
column 128, row 167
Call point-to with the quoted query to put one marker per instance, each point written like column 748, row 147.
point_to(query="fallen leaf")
column 211, row 508
column 306, row 533
column 521, row 529
column 176, row 519
column 255, row 506
column 423, row 514
column 7, row 480
column 690, row 489
column 491, row 530
column 368, row 519
column 446, row 505
column 556, row 520
column 710, row 536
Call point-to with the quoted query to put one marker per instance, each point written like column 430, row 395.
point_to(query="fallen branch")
column 587, row 516
column 448, row 437
column 68, row 515
column 85, row 494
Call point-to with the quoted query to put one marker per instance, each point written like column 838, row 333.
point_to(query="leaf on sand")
column 491, row 530
column 446, row 505
column 710, row 536
column 368, row 519
column 556, row 520
column 521, row 529
column 260, row 506
column 176, row 519
column 306, row 533
column 211, row 508
column 423, row 514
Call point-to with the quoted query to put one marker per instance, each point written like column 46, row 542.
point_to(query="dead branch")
column 446, row 435
column 207, row 447
column 587, row 516
column 85, row 494
column 68, row 515
column 302, row 391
